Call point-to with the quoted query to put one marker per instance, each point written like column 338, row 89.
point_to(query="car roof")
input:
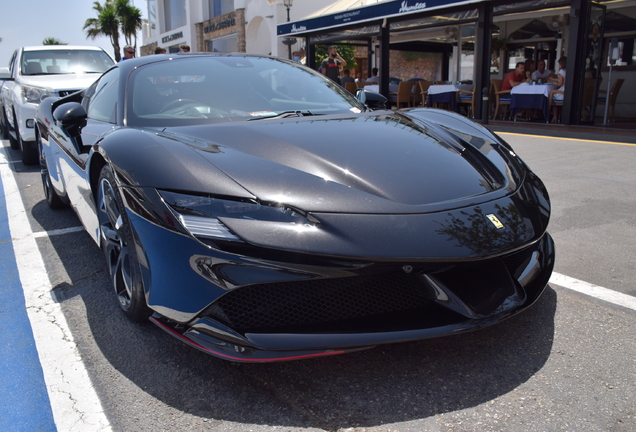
column 61, row 47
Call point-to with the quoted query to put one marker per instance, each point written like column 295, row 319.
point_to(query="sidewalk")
column 615, row 132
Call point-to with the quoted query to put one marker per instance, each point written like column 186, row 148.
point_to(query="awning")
column 347, row 12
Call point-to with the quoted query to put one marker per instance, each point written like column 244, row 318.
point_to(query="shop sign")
column 220, row 25
column 172, row 37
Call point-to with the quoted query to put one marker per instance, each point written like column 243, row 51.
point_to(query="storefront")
column 482, row 40
column 224, row 33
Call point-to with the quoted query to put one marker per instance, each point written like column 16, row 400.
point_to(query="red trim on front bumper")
column 242, row 359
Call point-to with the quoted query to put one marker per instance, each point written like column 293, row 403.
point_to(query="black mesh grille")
column 319, row 301
column 516, row 260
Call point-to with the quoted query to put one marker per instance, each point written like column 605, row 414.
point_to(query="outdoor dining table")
column 531, row 96
column 446, row 93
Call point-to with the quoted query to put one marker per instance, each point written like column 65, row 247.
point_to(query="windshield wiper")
column 290, row 113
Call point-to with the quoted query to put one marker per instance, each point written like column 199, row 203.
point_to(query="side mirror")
column 4, row 73
column 370, row 98
column 71, row 117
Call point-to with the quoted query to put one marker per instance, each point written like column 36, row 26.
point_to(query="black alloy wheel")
column 117, row 242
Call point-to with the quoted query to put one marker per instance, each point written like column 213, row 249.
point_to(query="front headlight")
column 199, row 214
column 34, row 94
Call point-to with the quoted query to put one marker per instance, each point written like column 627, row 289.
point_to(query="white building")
column 223, row 25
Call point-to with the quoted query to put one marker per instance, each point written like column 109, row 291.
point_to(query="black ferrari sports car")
column 257, row 211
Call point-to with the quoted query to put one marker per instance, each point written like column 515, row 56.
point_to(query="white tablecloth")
column 536, row 89
column 447, row 88
column 374, row 87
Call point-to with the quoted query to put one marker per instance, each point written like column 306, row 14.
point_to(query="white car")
column 36, row 73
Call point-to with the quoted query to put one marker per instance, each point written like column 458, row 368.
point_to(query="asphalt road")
column 568, row 363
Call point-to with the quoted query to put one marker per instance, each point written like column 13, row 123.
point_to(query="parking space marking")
column 567, row 139
column 41, row 234
column 595, row 291
column 74, row 402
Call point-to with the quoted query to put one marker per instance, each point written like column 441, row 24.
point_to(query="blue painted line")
column 24, row 401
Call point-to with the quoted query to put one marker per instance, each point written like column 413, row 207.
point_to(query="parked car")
column 259, row 212
column 38, row 72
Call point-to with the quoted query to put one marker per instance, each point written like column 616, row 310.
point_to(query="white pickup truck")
column 36, row 73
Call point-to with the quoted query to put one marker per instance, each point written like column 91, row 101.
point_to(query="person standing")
column 331, row 65
column 129, row 52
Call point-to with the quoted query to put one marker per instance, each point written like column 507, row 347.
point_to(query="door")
column 592, row 78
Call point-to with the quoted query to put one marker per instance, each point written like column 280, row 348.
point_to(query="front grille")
column 64, row 93
column 301, row 303
column 514, row 261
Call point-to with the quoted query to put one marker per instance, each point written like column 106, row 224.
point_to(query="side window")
column 103, row 102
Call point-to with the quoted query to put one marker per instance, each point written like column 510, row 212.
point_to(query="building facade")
column 223, row 25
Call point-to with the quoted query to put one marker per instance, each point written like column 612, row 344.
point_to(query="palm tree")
column 106, row 23
column 130, row 20
column 52, row 41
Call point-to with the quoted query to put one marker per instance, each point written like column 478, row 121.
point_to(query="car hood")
column 60, row 81
column 365, row 163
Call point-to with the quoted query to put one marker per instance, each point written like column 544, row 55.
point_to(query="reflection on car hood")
column 368, row 163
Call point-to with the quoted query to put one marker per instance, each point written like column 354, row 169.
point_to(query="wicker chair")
column 467, row 97
column 555, row 102
column 404, row 94
column 423, row 86
column 502, row 98
column 350, row 87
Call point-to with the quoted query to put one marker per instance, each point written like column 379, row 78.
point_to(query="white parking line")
column 74, row 402
column 595, row 291
column 41, row 234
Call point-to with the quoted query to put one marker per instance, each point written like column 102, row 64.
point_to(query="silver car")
column 36, row 73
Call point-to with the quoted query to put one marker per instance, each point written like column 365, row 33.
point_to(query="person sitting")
column 184, row 48
column 559, row 81
column 541, row 73
column 346, row 77
column 515, row 77
column 160, row 50
column 374, row 77
column 529, row 68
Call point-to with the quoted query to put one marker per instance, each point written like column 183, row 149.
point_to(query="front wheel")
column 117, row 242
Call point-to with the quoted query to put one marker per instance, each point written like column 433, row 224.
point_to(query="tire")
column 12, row 141
column 5, row 125
column 29, row 149
column 52, row 198
column 30, row 155
column 116, row 239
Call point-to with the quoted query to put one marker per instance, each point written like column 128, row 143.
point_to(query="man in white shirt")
column 541, row 73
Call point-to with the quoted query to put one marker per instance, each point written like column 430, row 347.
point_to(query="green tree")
column 130, row 20
column 347, row 52
column 52, row 41
column 106, row 24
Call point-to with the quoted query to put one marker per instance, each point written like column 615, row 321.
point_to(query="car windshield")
column 211, row 89
column 54, row 62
